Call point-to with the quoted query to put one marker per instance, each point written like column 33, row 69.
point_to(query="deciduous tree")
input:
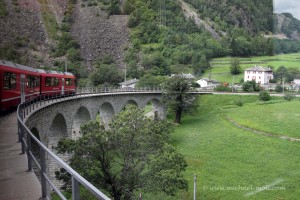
column 132, row 154
column 177, row 96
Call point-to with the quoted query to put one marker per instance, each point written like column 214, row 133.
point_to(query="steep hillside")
column 22, row 34
column 38, row 33
column 286, row 24
column 99, row 34
column 251, row 15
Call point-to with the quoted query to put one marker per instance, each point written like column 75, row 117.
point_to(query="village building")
column 129, row 84
column 261, row 75
column 206, row 82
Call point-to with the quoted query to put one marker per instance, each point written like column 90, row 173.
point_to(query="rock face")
column 96, row 32
column 285, row 24
column 99, row 34
column 23, row 29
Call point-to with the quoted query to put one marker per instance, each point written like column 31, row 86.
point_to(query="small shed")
column 129, row 84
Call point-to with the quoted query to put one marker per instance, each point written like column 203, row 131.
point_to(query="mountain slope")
column 286, row 24
column 251, row 15
column 99, row 34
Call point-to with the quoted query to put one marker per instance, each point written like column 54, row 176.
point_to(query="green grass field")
column 221, row 66
column 232, row 163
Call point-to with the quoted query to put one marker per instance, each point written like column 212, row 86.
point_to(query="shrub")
column 250, row 86
column 74, row 55
column 289, row 96
column 264, row 96
column 222, row 88
column 239, row 102
column 278, row 88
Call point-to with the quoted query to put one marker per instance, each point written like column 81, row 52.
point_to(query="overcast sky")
column 290, row 6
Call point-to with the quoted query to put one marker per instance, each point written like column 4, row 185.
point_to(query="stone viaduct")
column 62, row 119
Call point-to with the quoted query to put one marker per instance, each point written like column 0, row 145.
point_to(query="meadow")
column 232, row 163
column 221, row 66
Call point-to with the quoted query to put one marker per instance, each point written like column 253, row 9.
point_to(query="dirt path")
column 190, row 13
column 258, row 132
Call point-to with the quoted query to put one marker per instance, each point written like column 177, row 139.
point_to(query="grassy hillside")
column 231, row 162
column 221, row 66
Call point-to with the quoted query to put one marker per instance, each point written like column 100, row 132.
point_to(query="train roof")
column 17, row 66
column 42, row 71
column 68, row 73
column 31, row 69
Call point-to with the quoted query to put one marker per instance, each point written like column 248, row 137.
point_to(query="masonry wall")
column 63, row 119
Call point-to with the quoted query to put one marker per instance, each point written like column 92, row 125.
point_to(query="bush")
column 289, row 96
column 239, row 102
column 278, row 88
column 264, row 96
column 222, row 88
column 74, row 55
column 251, row 86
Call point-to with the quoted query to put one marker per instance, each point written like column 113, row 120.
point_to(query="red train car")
column 17, row 83
column 58, row 83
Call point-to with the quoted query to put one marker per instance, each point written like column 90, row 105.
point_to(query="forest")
column 164, row 41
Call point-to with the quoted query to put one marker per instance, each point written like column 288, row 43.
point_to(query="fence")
column 26, row 137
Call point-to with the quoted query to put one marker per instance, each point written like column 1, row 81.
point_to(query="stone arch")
column 58, row 130
column 106, row 112
column 130, row 102
column 157, row 111
column 82, row 116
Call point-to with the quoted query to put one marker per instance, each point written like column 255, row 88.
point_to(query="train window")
column 69, row 82
column 56, row 81
column 37, row 81
column 32, row 81
column 48, row 81
column 9, row 81
column 51, row 81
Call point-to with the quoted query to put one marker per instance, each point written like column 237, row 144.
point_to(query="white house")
column 130, row 83
column 188, row 76
column 296, row 81
column 205, row 82
column 261, row 75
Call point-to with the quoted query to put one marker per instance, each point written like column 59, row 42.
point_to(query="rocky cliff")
column 24, row 37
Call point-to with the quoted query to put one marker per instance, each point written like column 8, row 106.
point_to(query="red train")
column 19, row 82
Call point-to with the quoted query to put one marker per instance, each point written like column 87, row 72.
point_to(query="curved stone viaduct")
column 62, row 119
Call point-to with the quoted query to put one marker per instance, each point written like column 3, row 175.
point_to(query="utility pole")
column 195, row 181
column 66, row 66
column 232, row 84
column 283, row 85
column 125, row 73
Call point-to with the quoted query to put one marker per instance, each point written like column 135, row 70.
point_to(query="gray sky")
column 290, row 6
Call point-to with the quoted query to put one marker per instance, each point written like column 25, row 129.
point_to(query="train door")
column 23, row 85
column 62, row 86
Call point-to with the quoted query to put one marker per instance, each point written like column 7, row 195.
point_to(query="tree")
column 132, row 154
column 278, row 88
column 149, row 80
column 280, row 73
column 235, row 67
column 250, row 86
column 105, row 72
column 264, row 96
column 177, row 98
column 114, row 8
